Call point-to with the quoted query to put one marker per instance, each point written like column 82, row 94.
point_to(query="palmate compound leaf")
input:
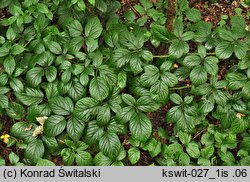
column 61, row 106
column 150, row 76
column 159, row 91
column 140, row 126
column 110, row 144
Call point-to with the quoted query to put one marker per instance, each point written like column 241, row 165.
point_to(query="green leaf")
column 103, row 116
column 92, row 44
column 178, row 48
column 122, row 79
column 193, row 150
column 238, row 25
column 68, row 156
column 76, row 91
column 159, row 91
column 193, row 15
column 75, row 128
column 34, row 151
column 227, row 157
column 13, row 158
column 184, row 137
column 240, row 49
column 15, row 111
column 92, row 2
column 147, row 104
column 203, row 161
column 17, row 49
column 226, row 35
column 102, row 160
column 44, row 162
column 98, row 88
column 211, row 67
column 128, row 99
column 198, row 75
column 34, row 76
column 54, row 47
column 224, row 50
column 187, row 36
column 207, row 152
column 236, row 80
column 110, row 144
column 4, row 50
column 240, row 125
column 178, row 27
column 184, row 159
column 150, row 76
column 140, row 126
column 94, row 132
column 9, row 65
column 51, row 73
column 191, row 61
column 86, row 107
column 175, row 98
column 61, row 106
column 54, row 125
column 30, row 96
column 4, row 101
column 134, row 155
column 10, row 34
column 246, row 90
column 161, row 33
column 75, row 28
column 83, row 158
column 121, row 57
column 93, row 28
column 169, row 78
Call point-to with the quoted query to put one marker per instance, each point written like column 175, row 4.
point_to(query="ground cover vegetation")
column 105, row 82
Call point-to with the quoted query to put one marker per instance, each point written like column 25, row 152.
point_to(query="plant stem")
column 180, row 88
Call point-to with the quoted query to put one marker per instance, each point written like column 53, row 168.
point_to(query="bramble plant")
column 78, row 82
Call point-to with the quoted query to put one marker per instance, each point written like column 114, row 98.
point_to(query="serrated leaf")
column 34, row 151
column 15, row 111
column 134, row 155
column 83, row 158
column 86, row 107
column 128, row 99
column 98, row 88
column 178, row 48
column 54, row 47
column 193, row 150
column 93, row 28
column 175, row 98
column 17, row 49
column 61, row 105
column 110, row 144
column 4, row 101
column 34, row 76
column 103, row 116
column 102, row 160
column 193, row 14
column 198, row 75
column 224, row 50
column 75, row 128
column 54, row 125
column 44, row 162
column 9, row 65
column 75, row 28
column 184, row 159
column 94, row 132
column 147, row 104
column 140, row 126
column 240, row 49
column 51, row 73
column 30, row 96
column 150, row 76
